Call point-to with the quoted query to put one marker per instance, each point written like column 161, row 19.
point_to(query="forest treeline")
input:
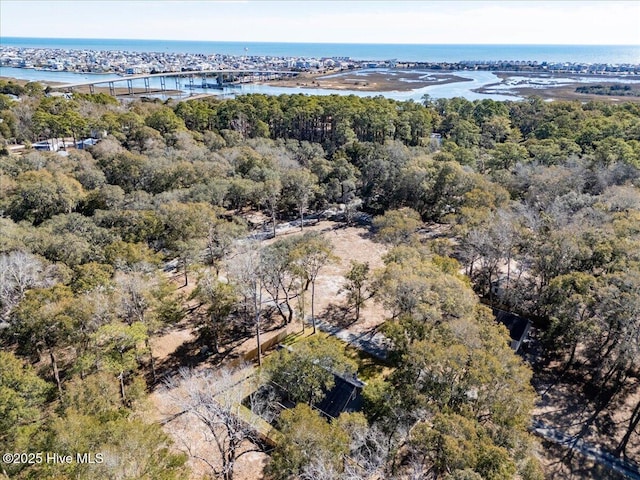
column 618, row 90
column 543, row 208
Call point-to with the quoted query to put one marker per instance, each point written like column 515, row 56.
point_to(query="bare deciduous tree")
column 311, row 254
column 278, row 274
column 221, row 300
column 20, row 271
column 213, row 399
column 244, row 270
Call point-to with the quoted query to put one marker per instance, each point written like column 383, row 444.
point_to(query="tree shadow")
column 574, row 467
column 194, row 353
column 367, row 234
column 590, row 413
column 190, row 354
column 338, row 315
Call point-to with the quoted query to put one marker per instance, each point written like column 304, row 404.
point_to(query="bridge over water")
column 220, row 78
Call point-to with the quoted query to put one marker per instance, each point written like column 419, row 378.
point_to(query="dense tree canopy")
column 539, row 202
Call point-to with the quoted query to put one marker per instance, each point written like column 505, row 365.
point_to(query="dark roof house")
column 518, row 327
column 345, row 396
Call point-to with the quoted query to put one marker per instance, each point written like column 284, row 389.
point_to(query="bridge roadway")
column 219, row 74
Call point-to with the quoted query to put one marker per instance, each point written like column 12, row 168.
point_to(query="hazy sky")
column 540, row 22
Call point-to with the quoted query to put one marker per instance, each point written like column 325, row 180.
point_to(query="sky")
column 422, row 22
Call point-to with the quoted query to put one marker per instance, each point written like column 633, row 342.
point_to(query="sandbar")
column 540, row 84
column 371, row 80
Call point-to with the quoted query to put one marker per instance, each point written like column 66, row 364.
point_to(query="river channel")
column 449, row 90
column 464, row 89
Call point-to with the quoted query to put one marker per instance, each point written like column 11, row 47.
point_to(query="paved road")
column 602, row 457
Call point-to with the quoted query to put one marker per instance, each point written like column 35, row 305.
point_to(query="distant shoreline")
column 606, row 54
column 509, row 84
column 566, row 92
column 378, row 82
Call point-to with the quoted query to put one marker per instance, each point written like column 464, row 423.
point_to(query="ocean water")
column 628, row 54
column 435, row 53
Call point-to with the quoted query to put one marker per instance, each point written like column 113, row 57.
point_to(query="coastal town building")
column 131, row 63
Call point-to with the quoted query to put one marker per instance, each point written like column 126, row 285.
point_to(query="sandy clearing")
column 349, row 244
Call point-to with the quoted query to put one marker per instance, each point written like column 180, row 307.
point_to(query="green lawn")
column 368, row 367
